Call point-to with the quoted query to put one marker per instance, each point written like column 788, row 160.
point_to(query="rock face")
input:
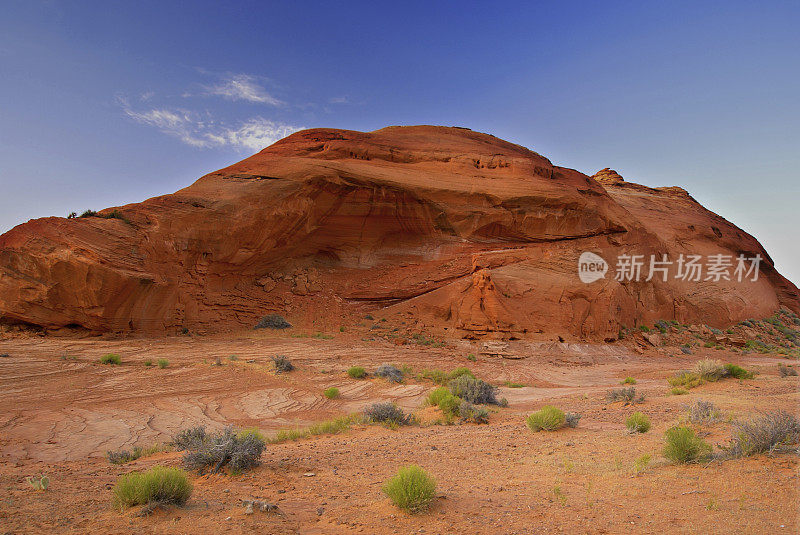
column 443, row 228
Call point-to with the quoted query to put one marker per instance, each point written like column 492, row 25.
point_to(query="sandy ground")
column 62, row 411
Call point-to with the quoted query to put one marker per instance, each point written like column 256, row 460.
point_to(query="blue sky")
column 106, row 103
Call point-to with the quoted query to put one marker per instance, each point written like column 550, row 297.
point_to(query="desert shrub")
column 458, row 372
column 548, row 418
column 282, row 364
column 638, row 423
column 273, row 321
column 190, row 438
column 39, row 483
column 387, row 413
column 436, row 395
column 111, row 358
column 251, row 431
column 662, row 326
column 148, row 362
column 685, row 379
column 571, row 419
column 703, row 412
column 89, row 213
column 628, row 395
column 412, row 489
column 678, row 391
column 786, row 371
column 710, row 369
column 437, row 376
column 331, row 393
column 503, row 402
column 390, row 373
column 238, row 451
column 737, row 372
column 449, row 404
column 357, row 372
column 124, row 456
column 644, row 328
column 628, row 381
column 157, row 485
column 764, row 433
column 472, row 389
column 327, row 427
column 470, row 413
column 641, row 463
column 512, row 384
column 686, row 349
column 684, row 446
column 163, row 363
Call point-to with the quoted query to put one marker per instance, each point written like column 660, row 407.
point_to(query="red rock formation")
column 446, row 227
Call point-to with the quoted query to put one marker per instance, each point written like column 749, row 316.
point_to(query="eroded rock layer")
column 443, row 228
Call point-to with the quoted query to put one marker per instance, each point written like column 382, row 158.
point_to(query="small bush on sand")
column 786, row 371
column 282, row 364
column 710, row 369
column 548, row 418
column 163, row 363
column 628, row 381
column 473, row 390
column 251, row 431
column 111, row 358
column 412, row 489
column 327, row 427
column 765, row 433
column 458, row 372
column 148, row 362
column 638, row 423
column 436, row 395
column 42, row 482
column 229, row 448
column 357, row 372
column 390, row 373
column 437, row 376
column 571, row 419
column 641, row 463
column 685, row 379
column 686, row 349
column 470, row 413
column 273, row 321
column 158, row 485
column 678, row 391
column 684, row 446
column 331, row 393
column 450, row 404
column 627, row 395
column 190, row 438
column 703, row 412
column 737, row 372
column 126, row 456
column 386, row 413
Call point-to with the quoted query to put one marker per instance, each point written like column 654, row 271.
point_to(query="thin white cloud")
column 338, row 100
column 242, row 87
column 197, row 131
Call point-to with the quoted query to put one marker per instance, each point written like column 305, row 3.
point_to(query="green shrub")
column 641, row 463
column 412, row 489
column 357, row 372
column 685, row 379
column 331, row 393
column 709, row 369
column 157, row 485
column 678, row 391
column 449, row 404
column 251, row 431
column 458, row 372
column 437, row 376
column 148, row 362
column 628, row 381
column 327, row 427
column 644, row 328
column 472, row 389
column 111, row 358
column 126, row 456
column 436, row 395
column 638, row 423
column 39, row 483
column 548, row 418
column 512, row 384
column 684, row 446
column 737, row 372
column 163, row 363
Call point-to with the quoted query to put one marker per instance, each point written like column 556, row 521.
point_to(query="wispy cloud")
column 242, row 87
column 203, row 132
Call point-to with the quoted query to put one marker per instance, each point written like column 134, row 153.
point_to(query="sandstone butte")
column 445, row 229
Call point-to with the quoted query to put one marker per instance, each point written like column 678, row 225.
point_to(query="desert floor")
column 62, row 411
